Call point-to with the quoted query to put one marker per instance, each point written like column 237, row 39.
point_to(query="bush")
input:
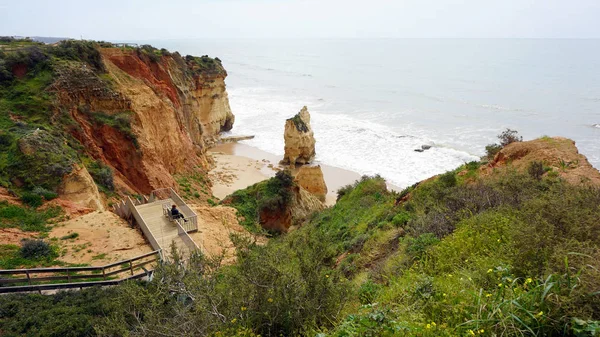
column 536, row 170
column 368, row 292
column 448, row 179
column 509, row 136
column 31, row 199
column 36, row 250
column 491, row 150
column 103, row 176
column 45, row 193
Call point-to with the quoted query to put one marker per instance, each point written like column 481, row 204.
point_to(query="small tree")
column 509, row 136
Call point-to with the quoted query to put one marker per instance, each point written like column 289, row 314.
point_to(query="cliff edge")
column 131, row 116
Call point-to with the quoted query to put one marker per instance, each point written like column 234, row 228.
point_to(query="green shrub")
column 36, row 250
column 31, row 199
column 491, row 150
column 103, row 176
column 536, row 170
column 368, row 292
column 45, row 193
column 448, row 179
column 417, row 247
column 78, row 50
column 42, row 160
column 401, row 219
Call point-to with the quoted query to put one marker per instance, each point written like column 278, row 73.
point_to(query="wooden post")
column 28, row 277
column 131, row 267
column 68, row 276
column 104, row 273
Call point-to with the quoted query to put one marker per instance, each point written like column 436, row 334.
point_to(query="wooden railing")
column 191, row 225
column 192, row 219
column 140, row 221
column 38, row 279
column 185, row 237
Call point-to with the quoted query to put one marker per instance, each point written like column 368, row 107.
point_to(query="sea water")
column 373, row 102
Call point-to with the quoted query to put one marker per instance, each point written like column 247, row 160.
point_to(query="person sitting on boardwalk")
column 175, row 213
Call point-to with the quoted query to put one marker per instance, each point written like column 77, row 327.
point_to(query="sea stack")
column 299, row 140
column 311, row 179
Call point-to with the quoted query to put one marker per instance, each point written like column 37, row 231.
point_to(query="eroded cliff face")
column 299, row 140
column 147, row 119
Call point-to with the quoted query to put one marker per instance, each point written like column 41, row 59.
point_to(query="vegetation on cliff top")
column 37, row 134
column 509, row 253
column 271, row 195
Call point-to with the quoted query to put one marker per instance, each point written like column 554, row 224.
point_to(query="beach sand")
column 239, row 165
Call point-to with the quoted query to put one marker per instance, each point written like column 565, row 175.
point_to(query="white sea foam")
column 343, row 141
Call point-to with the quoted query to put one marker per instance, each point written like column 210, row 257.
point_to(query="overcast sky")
column 172, row 19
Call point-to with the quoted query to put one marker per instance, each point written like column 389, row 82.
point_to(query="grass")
column 25, row 218
column 11, row 258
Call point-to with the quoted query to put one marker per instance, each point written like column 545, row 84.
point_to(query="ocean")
column 373, row 102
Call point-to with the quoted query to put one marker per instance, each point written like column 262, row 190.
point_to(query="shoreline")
column 239, row 165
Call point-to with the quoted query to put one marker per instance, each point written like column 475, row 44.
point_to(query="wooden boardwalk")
column 165, row 232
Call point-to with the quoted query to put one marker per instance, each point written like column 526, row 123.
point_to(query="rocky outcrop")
column 79, row 187
column 299, row 140
column 557, row 153
column 147, row 117
column 311, row 179
column 301, row 206
column 304, row 204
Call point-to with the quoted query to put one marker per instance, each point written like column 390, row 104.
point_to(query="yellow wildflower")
column 244, row 308
column 490, row 270
column 270, row 300
column 500, row 285
column 528, row 280
column 234, row 320
column 327, row 276
column 444, row 294
column 539, row 314
column 481, row 331
column 488, row 295
column 428, row 326
column 470, row 332
column 433, row 324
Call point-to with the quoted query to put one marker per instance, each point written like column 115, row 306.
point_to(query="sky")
column 182, row 19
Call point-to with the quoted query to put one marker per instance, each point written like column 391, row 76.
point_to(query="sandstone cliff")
column 311, row 179
column 147, row 117
column 299, row 140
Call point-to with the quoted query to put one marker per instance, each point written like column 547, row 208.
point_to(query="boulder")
column 299, row 140
column 79, row 187
column 311, row 179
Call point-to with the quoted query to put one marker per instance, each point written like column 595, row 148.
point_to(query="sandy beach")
column 239, row 165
